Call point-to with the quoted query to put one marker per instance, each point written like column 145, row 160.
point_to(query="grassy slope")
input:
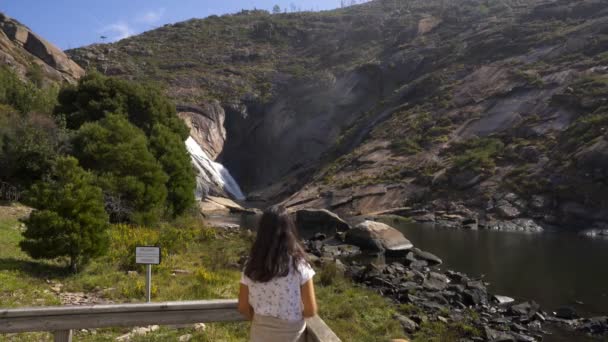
column 355, row 314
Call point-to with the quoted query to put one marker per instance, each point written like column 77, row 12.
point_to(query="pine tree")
column 178, row 166
column 69, row 218
column 276, row 9
column 117, row 153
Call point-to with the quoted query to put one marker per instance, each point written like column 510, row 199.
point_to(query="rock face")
column 376, row 236
column 313, row 221
column 18, row 44
column 206, row 123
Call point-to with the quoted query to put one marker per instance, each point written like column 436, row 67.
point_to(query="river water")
column 554, row 269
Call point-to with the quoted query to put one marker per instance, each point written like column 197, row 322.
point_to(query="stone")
column 497, row 336
column 200, row 327
column 434, row 284
column 426, row 256
column 185, row 338
column 502, row 300
column 408, row 325
column 314, row 221
column 376, row 236
column 505, row 210
column 474, row 297
column 528, row 309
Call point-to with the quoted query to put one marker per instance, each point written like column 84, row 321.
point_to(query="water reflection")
column 554, row 269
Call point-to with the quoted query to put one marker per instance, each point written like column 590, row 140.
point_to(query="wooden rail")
column 62, row 320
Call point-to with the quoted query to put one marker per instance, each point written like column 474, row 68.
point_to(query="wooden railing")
column 62, row 320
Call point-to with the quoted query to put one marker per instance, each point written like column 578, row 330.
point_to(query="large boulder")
column 313, row 221
column 24, row 42
column 377, row 237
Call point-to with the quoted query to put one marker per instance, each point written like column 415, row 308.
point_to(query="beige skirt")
column 271, row 329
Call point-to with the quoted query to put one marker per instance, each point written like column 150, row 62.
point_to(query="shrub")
column 169, row 149
column 24, row 95
column 131, row 178
column 29, row 146
column 478, row 154
column 69, row 219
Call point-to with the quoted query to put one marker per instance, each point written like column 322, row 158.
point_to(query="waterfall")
column 210, row 172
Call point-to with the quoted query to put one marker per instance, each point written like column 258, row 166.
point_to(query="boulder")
column 377, row 237
column 426, row 256
column 408, row 325
column 314, row 221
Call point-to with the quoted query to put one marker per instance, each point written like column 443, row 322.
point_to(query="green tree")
column 96, row 95
column 144, row 106
column 169, row 148
column 276, row 9
column 132, row 179
column 24, row 95
column 69, row 220
column 29, row 145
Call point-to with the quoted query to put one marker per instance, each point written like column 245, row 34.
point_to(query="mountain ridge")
column 488, row 110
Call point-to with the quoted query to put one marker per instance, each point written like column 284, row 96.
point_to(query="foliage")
column 477, row 154
column 24, row 95
column 69, row 219
column 29, row 145
column 132, row 180
column 144, row 106
column 585, row 129
column 169, row 149
column 95, row 95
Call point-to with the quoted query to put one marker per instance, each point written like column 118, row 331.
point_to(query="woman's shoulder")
column 305, row 270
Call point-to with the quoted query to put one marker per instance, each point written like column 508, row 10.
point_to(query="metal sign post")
column 148, row 255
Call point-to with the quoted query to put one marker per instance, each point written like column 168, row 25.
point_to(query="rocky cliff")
column 23, row 50
column 465, row 113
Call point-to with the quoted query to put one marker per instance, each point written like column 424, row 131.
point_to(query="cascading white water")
column 211, row 172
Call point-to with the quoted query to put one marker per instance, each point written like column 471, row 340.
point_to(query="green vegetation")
column 69, row 220
column 130, row 136
column 132, row 179
column 207, row 259
column 477, row 154
column 29, row 145
column 169, row 149
column 414, row 130
column 24, row 95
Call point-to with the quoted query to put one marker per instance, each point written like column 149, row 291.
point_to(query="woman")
column 276, row 290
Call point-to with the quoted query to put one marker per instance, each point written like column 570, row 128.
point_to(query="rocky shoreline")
column 381, row 258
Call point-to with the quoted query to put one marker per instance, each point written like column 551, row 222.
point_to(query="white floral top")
column 280, row 297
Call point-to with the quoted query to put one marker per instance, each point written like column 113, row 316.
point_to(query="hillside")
column 468, row 112
column 30, row 56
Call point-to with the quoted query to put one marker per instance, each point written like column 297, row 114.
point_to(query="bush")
column 145, row 107
column 69, row 219
column 28, row 147
column 169, row 149
column 131, row 178
column 95, row 95
column 478, row 154
column 24, row 95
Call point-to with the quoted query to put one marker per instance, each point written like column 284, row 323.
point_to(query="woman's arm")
column 244, row 307
column 308, row 299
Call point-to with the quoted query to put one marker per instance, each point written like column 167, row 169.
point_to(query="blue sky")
column 73, row 23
